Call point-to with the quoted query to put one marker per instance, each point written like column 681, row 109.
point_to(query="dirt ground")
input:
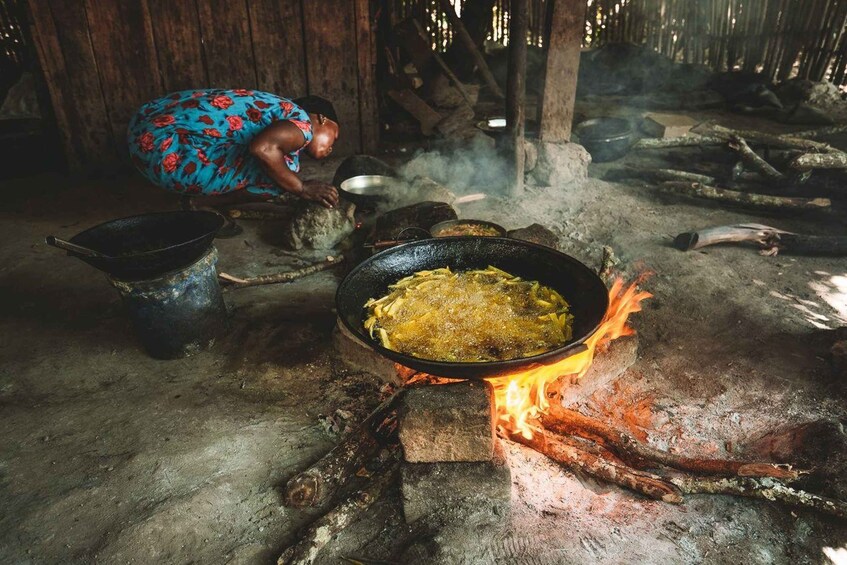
column 109, row 456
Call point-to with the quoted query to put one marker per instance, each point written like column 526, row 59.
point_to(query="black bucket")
column 178, row 313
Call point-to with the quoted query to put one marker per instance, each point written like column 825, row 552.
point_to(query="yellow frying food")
column 471, row 316
column 468, row 229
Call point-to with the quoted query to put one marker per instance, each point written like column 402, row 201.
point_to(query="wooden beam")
column 558, row 89
column 179, row 45
column 227, row 43
column 368, row 104
column 516, row 93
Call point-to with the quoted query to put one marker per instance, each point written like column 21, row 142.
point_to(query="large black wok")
column 146, row 246
column 578, row 284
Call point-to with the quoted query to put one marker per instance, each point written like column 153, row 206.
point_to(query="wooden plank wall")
column 103, row 58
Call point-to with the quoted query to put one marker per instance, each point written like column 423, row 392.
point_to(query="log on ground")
column 762, row 201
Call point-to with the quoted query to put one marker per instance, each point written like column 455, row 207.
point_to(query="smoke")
column 473, row 166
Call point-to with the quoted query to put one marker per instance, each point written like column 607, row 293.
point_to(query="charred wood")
column 276, row 278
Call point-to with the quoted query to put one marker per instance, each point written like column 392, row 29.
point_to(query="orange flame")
column 522, row 397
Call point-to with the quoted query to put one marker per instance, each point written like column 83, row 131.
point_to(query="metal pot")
column 443, row 226
column 368, row 189
column 606, row 139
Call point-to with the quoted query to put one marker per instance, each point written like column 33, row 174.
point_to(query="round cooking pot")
column 368, row 189
column 606, row 139
column 579, row 285
column 436, row 230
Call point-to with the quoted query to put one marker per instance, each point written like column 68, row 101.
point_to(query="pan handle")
column 74, row 248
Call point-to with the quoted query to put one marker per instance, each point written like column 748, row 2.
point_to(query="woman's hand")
column 320, row 192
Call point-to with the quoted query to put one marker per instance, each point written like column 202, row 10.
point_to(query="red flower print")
column 201, row 156
column 164, row 120
column 305, row 127
column 242, row 92
column 148, row 110
column 287, row 107
column 241, row 185
column 212, row 132
column 145, row 142
column 174, row 96
column 171, row 105
column 178, row 186
column 222, row 102
column 157, row 169
column 189, row 167
column 206, row 119
column 253, row 114
column 166, row 144
column 235, row 123
column 190, row 103
column 262, row 105
column 170, row 162
column 198, row 94
column 288, row 160
column 193, row 189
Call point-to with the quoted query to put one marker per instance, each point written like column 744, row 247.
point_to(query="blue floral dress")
column 197, row 141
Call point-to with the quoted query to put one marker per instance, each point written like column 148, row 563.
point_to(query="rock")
column 357, row 356
column 536, row 233
column 452, row 422
column 560, row 164
column 316, row 227
column 480, row 492
column 799, row 90
column 804, row 114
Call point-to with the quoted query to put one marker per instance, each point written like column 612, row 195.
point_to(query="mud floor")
column 109, row 456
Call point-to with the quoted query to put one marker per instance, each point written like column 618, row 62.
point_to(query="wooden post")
column 516, row 92
column 566, row 20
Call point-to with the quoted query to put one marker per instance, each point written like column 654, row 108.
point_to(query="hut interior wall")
column 103, row 58
column 780, row 38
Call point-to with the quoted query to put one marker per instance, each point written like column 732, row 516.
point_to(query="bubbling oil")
column 470, row 316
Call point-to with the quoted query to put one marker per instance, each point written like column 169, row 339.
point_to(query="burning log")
column 276, row 278
column 764, row 488
column 753, row 161
column 317, row 484
column 566, row 421
column 567, row 454
column 321, row 532
column 764, row 201
column 769, row 238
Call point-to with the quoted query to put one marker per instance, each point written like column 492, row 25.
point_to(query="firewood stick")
column 772, row 140
column 467, row 40
column 566, row 421
column 765, row 236
column 753, row 160
column 690, row 140
column 819, row 132
column 567, row 455
column 661, row 175
column 456, row 82
column 810, row 161
column 317, row 484
column 276, row 278
column 762, row 201
column 321, row 532
column 764, row 488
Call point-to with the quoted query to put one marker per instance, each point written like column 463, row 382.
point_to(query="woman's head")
column 324, row 125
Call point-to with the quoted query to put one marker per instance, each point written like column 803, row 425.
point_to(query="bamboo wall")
column 103, row 58
column 781, row 38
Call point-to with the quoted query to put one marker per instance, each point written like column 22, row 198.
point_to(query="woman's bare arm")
column 271, row 146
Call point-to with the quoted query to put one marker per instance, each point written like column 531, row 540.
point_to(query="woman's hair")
column 317, row 105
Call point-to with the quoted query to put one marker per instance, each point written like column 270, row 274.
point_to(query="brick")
column 478, row 492
column 450, row 422
column 357, row 356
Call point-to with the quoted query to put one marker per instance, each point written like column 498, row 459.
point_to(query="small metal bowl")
column 606, row 139
column 368, row 189
column 438, row 229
